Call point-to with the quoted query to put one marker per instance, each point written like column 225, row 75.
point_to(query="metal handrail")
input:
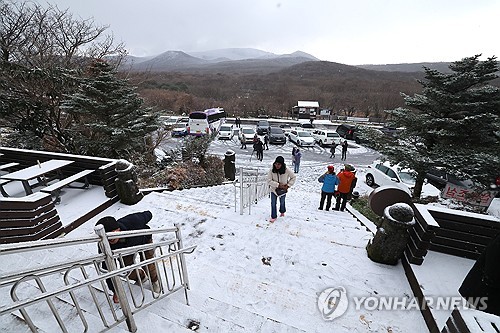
column 44, row 271
column 171, row 279
column 253, row 186
column 44, row 244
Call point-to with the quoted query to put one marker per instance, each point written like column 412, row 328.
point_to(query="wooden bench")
column 55, row 189
column 8, row 165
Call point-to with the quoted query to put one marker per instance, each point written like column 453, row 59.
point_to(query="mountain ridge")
column 233, row 59
column 248, row 60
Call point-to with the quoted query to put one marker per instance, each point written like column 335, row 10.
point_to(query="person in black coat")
column 258, row 147
column 483, row 280
column 266, row 141
column 344, row 150
column 135, row 221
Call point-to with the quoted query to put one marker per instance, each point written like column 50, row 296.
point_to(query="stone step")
column 17, row 324
column 255, row 304
column 260, row 213
column 147, row 320
column 173, row 314
column 214, row 315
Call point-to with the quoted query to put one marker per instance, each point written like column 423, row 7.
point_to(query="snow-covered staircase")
column 249, row 275
column 228, row 291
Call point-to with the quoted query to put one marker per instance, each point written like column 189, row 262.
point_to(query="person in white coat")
column 280, row 179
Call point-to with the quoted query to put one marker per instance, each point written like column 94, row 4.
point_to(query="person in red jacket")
column 346, row 177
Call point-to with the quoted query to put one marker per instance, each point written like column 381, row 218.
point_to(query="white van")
column 226, row 132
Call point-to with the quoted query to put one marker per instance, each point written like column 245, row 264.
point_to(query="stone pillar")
column 389, row 242
column 126, row 183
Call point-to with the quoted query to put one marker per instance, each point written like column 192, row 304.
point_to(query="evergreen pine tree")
column 454, row 124
column 109, row 118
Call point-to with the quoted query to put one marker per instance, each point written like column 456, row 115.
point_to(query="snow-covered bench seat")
column 7, row 166
column 55, row 189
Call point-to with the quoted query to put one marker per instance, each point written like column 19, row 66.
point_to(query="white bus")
column 206, row 122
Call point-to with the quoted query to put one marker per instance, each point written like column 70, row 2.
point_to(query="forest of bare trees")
column 346, row 90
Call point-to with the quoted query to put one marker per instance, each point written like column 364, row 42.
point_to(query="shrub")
column 361, row 205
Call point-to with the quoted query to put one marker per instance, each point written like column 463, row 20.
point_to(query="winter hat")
column 331, row 168
column 280, row 160
column 109, row 223
column 348, row 167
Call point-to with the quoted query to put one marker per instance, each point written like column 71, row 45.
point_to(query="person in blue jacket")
column 135, row 221
column 330, row 181
column 296, row 160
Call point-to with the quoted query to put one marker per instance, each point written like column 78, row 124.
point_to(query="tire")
column 370, row 181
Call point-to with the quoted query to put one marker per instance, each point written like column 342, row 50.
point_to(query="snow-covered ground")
column 263, row 277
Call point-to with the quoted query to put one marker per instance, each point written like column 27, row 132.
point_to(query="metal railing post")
column 241, row 190
column 110, row 263
column 178, row 235
column 235, row 200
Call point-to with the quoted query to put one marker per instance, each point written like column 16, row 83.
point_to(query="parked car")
column 180, row 128
column 326, row 137
column 226, row 132
column 383, row 173
column 277, row 136
column 438, row 177
column 263, row 127
column 347, row 131
column 249, row 133
column 286, row 128
column 390, row 131
column 301, row 138
column 308, row 127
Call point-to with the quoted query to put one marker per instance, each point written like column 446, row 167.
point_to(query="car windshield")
column 304, row 134
column 225, row 128
column 333, row 135
column 275, row 130
column 407, row 177
column 263, row 123
column 248, row 131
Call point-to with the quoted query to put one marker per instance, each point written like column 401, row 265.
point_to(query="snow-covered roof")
column 308, row 104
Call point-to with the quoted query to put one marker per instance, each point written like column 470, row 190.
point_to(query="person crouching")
column 135, row 221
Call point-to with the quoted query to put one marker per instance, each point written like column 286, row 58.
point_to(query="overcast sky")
column 350, row 32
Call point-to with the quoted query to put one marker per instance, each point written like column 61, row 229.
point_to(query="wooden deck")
column 34, row 216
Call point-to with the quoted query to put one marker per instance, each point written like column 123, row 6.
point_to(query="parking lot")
column 311, row 156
